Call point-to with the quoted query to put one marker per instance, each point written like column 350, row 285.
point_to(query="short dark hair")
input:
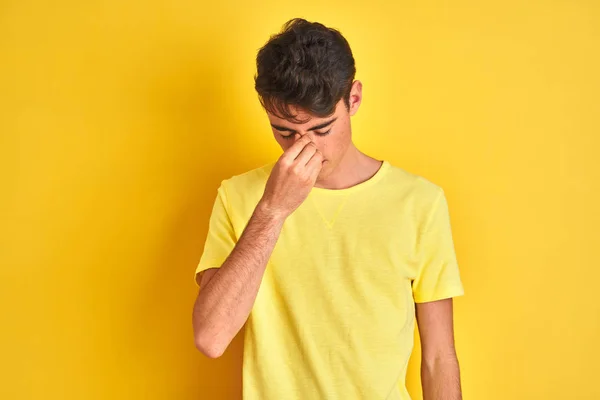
column 306, row 65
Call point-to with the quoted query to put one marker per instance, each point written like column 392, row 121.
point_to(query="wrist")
column 268, row 211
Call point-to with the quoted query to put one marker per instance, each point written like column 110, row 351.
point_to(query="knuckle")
column 297, row 170
column 284, row 162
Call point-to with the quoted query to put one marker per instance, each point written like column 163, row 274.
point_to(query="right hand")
column 293, row 177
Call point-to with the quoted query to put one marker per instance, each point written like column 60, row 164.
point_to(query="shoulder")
column 249, row 180
column 422, row 201
column 419, row 190
column 243, row 191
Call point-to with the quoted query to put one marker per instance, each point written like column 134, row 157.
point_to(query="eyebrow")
column 323, row 125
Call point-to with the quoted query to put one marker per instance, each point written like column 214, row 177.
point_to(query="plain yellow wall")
column 118, row 119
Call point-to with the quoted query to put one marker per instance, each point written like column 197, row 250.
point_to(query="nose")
column 297, row 136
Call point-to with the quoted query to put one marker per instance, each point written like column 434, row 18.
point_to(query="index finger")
column 297, row 147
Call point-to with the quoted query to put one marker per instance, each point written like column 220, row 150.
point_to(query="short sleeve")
column 221, row 238
column 437, row 276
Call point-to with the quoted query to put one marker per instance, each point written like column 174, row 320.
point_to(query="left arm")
column 440, row 374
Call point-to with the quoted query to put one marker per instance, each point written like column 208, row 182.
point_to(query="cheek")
column 334, row 148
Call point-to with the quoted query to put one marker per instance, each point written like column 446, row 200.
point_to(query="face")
column 332, row 135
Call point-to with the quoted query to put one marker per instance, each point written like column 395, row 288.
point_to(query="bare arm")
column 227, row 294
column 440, row 373
column 225, row 300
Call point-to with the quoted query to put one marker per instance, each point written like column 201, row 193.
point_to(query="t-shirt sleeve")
column 221, row 238
column 437, row 276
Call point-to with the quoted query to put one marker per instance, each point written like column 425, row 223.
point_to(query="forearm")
column 224, row 303
column 440, row 378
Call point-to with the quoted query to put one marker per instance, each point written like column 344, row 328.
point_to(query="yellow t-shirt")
column 334, row 316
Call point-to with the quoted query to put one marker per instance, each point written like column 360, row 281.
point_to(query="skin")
column 440, row 372
column 324, row 157
column 344, row 164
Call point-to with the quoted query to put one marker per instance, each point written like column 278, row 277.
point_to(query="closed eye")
column 316, row 133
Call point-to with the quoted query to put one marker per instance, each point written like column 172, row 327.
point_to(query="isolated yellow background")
column 118, row 119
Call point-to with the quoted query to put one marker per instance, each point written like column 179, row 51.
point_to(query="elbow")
column 209, row 351
column 432, row 365
column 210, row 338
column 210, row 348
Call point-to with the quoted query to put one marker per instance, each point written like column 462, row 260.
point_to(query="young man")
column 324, row 253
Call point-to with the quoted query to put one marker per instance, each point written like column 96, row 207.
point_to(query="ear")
column 355, row 96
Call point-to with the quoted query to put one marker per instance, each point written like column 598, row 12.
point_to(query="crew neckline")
column 385, row 165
